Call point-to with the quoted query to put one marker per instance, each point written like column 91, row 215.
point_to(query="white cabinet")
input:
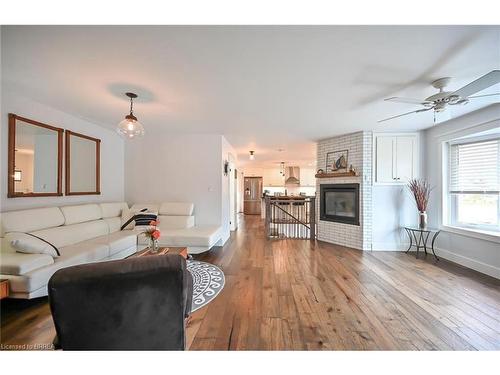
column 395, row 157
column 273, row 177
column 307, row 177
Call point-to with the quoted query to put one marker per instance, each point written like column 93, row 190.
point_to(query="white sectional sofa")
column 89, row 233
column 178, row 228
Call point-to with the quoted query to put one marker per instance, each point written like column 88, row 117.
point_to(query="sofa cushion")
column 151, row 207
column 28, row 244
column 175, row 222
column 84, row 252
column 81, row 213
column 72, row 234
column 31, row 220
column 112, row 209
column 176, row 208
column 117, row 241
column 114, row 224
column 19, row 264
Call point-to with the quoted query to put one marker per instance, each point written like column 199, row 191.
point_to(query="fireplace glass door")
column 340, row 203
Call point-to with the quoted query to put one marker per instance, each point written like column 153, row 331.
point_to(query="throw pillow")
column 143, row 218
column 128, row 221
column 30, row 244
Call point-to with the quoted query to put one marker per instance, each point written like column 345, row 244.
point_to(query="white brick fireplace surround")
column 360, row 156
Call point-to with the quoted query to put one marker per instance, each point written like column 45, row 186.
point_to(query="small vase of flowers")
column 153, row 233
column 421, row 191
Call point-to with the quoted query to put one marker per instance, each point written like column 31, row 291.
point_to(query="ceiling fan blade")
column 482, row 96
column 407, row 100
column 489, row 79
column 405, row 114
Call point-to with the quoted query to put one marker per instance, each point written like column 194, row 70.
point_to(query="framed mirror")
column 34, row 159
column 82, row 164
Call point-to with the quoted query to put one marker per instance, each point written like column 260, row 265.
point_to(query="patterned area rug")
column 208, row 281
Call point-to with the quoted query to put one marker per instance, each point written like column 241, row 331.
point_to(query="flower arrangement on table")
column 153, row 233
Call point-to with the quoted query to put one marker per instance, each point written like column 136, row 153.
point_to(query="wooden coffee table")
column 182, row 251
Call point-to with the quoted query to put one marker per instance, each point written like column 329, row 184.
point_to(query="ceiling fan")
column 441, row 100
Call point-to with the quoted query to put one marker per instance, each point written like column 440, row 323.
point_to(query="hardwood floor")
column 294, row 294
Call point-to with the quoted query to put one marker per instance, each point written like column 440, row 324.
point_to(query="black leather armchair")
column 132, row 304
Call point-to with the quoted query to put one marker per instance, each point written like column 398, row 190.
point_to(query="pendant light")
column 130, row 127
column 282, row 168
column 252, row 156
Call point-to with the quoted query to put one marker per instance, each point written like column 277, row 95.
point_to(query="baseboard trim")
column 469, row 262
column 389, row 246
column 445, row 254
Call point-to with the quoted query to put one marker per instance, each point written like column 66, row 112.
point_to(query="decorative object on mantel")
column 421, row 191
column 336, row 161
column 337, row 174
column 152, row 233
column 130, row 127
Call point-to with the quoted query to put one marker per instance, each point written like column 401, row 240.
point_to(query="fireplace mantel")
column 338, row 174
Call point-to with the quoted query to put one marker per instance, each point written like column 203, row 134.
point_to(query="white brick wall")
column 360, row 156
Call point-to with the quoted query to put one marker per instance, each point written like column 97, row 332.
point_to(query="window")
column 474, row 184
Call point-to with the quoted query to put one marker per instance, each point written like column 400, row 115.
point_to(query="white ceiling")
column 263, row 87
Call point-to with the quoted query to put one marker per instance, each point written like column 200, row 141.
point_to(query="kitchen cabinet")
column 272, row 177
column 308, row 177
column 395, row 157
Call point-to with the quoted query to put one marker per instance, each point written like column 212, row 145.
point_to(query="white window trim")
column 475, row 233
column 483, row 234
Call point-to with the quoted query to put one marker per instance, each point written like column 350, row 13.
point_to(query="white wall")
column 184, row 168
column 393, row 208
column 478, row 254
column 112, row 153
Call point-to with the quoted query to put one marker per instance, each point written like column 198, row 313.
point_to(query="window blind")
column 475, row 167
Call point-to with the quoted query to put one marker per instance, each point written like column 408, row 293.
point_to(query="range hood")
column 292, row 176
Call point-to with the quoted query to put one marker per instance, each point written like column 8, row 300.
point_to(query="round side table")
column 419, row 237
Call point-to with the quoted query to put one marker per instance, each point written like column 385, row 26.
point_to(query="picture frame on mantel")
column 337, row 161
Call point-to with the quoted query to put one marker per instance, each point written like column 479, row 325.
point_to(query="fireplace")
column 339, row 203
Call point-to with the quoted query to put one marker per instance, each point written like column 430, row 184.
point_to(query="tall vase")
column 422, row 220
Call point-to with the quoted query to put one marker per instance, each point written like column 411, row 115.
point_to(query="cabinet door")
column 385, row 156
column 405, row 158
column 307, row 177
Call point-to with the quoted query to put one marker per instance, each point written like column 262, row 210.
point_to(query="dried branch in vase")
column 421, row 191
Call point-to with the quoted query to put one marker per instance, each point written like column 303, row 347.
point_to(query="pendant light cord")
column 131, row 106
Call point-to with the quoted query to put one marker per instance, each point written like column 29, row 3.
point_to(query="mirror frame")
column 11, row 193
column 68, row 191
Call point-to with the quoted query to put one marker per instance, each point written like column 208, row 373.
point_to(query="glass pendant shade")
column 130, row 128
